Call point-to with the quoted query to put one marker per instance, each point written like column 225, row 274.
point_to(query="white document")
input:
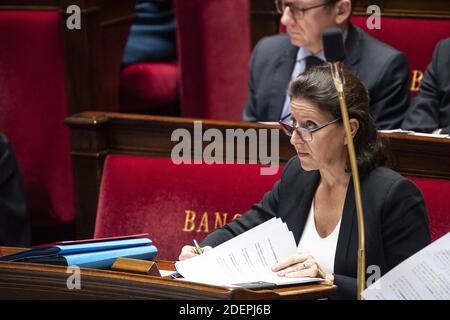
column 248, row 257
column 432, row 135
column 414, row 133
column 424, row 276
column 269, row 123
column 395, row 131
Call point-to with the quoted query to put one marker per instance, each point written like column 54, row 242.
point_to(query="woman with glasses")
column 315, row 193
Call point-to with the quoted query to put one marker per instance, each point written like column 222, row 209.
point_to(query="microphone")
column 333, row 46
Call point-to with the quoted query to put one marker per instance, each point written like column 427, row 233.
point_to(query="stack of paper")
column 395, row 131
column 246, row 258
column 424, row 276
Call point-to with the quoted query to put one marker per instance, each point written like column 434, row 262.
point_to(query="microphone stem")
column 339, row 81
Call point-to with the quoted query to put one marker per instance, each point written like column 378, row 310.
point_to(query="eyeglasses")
column 304, row 133
column 296, row 11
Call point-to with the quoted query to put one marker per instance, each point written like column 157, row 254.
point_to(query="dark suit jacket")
column 14, row 222
column 382, row 69
column 431, row 108
column 396, row 221
column 152, row 34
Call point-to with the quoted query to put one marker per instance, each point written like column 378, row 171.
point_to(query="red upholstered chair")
column 33, row 105
column 437, row 198
column 415, row 37
column 174, row 203
column 150, row 88
column 214, row 52
column 213, row 45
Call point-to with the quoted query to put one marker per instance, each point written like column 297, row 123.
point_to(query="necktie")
column 312, row 61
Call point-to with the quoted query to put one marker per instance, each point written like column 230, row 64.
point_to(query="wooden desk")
column 39, row 281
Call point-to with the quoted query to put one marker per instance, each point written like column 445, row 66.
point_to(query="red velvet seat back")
column 33, row 105
column 414, row 37
column 437, row 198
column 174, row 203
column 213, row 43
column 150, row 88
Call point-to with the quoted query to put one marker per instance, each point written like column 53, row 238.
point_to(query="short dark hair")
column 317, row 86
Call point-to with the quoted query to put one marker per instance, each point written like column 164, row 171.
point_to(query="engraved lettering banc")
column 204, row 222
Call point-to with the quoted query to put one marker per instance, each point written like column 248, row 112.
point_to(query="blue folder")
column 96, row 254
column 98, row 259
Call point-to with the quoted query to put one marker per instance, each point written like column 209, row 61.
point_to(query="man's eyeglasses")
column 296, row 11
column 305, row 133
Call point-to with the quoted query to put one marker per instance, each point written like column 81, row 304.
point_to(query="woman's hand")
column 189, row 252
column 300, row 264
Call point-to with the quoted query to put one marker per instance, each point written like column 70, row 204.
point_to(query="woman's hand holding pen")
column 191, row 251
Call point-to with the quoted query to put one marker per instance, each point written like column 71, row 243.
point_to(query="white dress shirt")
column 322, row 249
column 299, row 68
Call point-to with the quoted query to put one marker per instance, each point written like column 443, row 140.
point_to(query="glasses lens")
column 287, row 129
column 305, row 134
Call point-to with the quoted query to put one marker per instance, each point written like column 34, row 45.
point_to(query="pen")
column 197, row 247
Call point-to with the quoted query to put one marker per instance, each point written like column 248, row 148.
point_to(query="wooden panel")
column 264, row 19
column 97, row 134
column 39, row 281
column 439, row 9
column 30, row 5
column 418, row 156
column 94, row 53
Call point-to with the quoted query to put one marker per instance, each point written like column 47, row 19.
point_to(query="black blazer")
column 430, row 110
column 396, row 221
column 14, row 221
column 382, row 69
